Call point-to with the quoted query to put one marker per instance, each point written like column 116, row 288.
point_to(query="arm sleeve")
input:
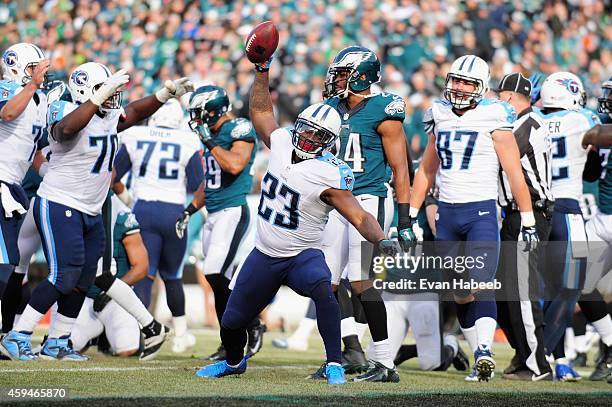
column 122, row 162
column 194, row 172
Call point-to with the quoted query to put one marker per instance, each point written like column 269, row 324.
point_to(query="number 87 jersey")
column 468, row 162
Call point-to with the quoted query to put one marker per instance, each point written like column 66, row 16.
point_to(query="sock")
column 175, row 296
column 376, row 313
column 70, row 304
column 62, row 326
column 561, row 361
column 303, row 330
column 465, row 315
column 123, row 295
column 451, row 341
column 405, row 353
column 143, row 290
column 352, row 342
column 347, row 327
column 234, row 341
column 328, row 321
column 604, row 329
column 6, row 270
column 220, row 287
column 471, row 337
column 28, row 320
column 11, row 300
column 180, row 325
column 382, row 350
column 570, row 343
column 485, row 330
column 361, row 329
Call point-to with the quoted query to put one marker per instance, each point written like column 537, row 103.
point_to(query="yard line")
column 130, row 368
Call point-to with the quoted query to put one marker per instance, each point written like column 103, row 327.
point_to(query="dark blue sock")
column 6, row 270
column 175, row 296
column 465, row 315
column 143, row 290
column 328, row 320
column 484, row 305
column 44, row 296
column 69, row 305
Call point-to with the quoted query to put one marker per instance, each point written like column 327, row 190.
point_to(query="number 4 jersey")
column 80, row 169
column 292, row 215
column 468, row 162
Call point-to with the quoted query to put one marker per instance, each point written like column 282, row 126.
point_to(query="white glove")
column 109, row 87
column 126, row 198
column 176, row 88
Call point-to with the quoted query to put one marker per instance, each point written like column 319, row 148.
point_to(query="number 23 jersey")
column 468, row 162
column 291, row 214
column 80, row 169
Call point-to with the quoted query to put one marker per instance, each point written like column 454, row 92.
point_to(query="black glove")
column 529, row 235
column 388, row 247
column 405, row 234
column 100, row 302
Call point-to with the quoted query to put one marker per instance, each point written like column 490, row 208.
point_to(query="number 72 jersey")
column 468, row 162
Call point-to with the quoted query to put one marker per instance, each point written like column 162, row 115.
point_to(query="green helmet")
column 207, row 104
column 362, row 66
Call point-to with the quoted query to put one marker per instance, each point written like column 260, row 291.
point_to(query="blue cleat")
column 485, row 365
column 221, row 369
column 335, row 374
column 17, row 346
column 61, row 349
column 565, row 373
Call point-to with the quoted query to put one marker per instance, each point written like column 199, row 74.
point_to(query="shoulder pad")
column 591, row 117
column 58, row 109
column 333, row 101
column 242, row 128
column 127, row 220
column 504, row 108
column 395, row 105
column 8, row 89
column 345, row 173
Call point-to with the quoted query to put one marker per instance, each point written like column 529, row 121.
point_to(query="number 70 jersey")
column 468, row 162
column 291, row 214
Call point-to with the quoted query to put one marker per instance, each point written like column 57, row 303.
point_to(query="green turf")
column 276, row 377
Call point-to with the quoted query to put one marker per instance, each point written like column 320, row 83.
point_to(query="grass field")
column 276, row 377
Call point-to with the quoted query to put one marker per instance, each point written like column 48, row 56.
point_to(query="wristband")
column 210, row 144
column 44, row 167
column 527, row 219
column 403, row 211
column 191, row 209
column 414, row 212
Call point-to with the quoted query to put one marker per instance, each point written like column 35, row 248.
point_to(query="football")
column 261, row 42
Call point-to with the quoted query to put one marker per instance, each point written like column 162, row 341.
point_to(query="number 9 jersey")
column 80, row 169
column 468, row 162
column 292, row 215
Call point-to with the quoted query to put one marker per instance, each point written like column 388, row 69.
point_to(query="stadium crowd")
column 415, row 40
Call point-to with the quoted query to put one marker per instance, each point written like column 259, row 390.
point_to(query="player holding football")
column 83, row 142
column 373, row 143
column 166, row 164
column 230, row 151
column 304, row 182
column 469, row 136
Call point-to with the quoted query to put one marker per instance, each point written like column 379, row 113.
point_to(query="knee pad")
column 104, row 281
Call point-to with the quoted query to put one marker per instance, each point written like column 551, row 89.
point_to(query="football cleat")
column 221, row 369
column 354, row 361
column 485, row 365
column 603, row 369
column 320, row 374
column 461, row 361
column 528, row 375
column 220, row 354
column 515, row 364
column 580, row 360
column 379, row 373
column 290, row 344
column 181, row 343
column 564, row 373
column 61, row 349
column 255, row 341
column 154, row 336
column 335, row 374
column 17, row 346
column 473, row 376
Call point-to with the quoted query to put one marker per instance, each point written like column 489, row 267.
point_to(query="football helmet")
column 362, row 67
column 207, row 104
column 19, row 61
column 170, row 115
column 563, row 90
column 605, row 101
column 86, row 79
column 315, row 130
column 468, row 68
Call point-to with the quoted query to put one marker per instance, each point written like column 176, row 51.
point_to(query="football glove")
column 100, row 302
column 529, row 235
column 181, row 224
column 205, row 136
column 388, row 247
column 264, row 66
column 175, row 88
column 108, row 88
column 405, row 232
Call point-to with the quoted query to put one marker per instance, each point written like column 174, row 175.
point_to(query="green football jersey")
column 32, row 180
column 360, row 143
column 225, row 190
column 605, row 182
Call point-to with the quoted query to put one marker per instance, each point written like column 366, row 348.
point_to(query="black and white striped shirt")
column 535, row 149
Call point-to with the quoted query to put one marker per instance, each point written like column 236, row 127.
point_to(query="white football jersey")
column 566, row 129
column 159, row 157
column 80, row 170
column 291, row 214
column 19, row 137
column 468, row 162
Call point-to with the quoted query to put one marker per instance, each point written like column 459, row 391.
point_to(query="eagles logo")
column 396, row 106
column 570, row 85
column 80, row 78
column 10, row 58
column 242, row 129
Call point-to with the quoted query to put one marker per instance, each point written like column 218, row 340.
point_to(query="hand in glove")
column 175, row 88
column 109, row 87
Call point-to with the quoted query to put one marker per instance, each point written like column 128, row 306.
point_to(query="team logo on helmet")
column 570, row 84
column 10, row 58
column 80, row 78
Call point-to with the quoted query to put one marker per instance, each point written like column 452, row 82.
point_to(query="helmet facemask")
column 461, row 99
column 309, row 140
column 605, row 101
column 332, row 82
column 113, row 102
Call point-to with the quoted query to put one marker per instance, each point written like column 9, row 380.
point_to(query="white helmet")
column 19, row 60
column 468, row 68
column 88, row 77
column 170, row 115
column 563, row 90
column 315, row 130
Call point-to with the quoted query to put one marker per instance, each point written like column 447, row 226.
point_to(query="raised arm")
column 17, row 104
column 260, row 106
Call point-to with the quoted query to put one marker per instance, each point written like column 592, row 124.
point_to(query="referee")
column 520, row 315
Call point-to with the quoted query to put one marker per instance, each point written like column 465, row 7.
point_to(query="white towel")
column 9, row 203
